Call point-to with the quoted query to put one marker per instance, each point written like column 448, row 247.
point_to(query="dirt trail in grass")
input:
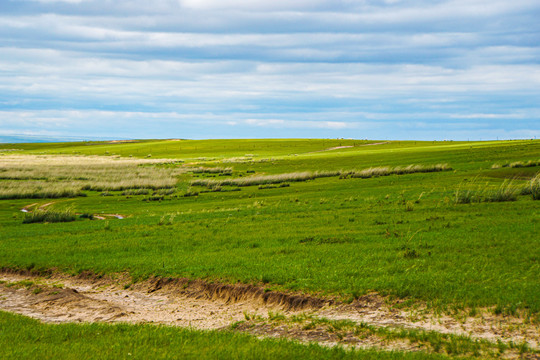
column 195, row 303
column 343, row 147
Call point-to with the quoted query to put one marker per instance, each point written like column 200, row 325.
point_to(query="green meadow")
column 24, row 338
column 460, row 237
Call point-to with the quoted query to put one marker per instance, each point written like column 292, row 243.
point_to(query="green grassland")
column 23, row 338
column 401, row 235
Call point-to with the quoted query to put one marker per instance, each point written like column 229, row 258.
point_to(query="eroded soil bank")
column 58, row 297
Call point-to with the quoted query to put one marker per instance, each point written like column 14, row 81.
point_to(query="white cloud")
column 348, row 65
column 60, row 1
column 281, row 123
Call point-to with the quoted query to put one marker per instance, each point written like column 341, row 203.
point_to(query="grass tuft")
column 505, row 192
column 532, row 188
column 49, row 216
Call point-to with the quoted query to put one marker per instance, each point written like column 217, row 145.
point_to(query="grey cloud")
column 320, row 65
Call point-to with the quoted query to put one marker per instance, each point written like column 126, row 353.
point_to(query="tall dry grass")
column 49, row 215
column 532, row 188
column 475, row 192
column 265, row 179
column 399, row 170
column 34, row 176
column 517, row 164
column 38, row 189
column 208, row 170
column 308, row 175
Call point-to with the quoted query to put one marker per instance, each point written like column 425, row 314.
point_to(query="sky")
column 199, row 69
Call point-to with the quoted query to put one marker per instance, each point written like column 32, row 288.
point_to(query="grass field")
column 23, row 338
column 409, row 235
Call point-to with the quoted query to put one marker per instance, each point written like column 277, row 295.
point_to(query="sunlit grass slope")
column 401, row 234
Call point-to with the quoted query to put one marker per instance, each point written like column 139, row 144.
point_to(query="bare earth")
column 61, row 298
column 345, row 147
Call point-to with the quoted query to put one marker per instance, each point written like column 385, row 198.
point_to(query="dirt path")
column 28, row 208
column 343, row 147
column 89, row 300
column 182, row 302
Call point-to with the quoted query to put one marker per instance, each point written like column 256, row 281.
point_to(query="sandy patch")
column 195, row 303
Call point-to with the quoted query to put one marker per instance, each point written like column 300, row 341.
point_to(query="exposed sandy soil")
column 338, row 147
column 198, row 304
column 324, row 337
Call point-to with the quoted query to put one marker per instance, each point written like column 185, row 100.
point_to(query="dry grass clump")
column 49, row 216
column 505, row 192
column 399, row 170
column 149, row 179
column 136, row 192
column 532, row 188
column 33, row 176
column 485, row 193
column 465, row 196
column 517, row 164
column 38, row 190
column 535, row 188
column 265, row 179
column 205, row 170
column 308, row 175
column 369, row 172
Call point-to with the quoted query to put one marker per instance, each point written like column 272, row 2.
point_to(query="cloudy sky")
column 378, row 69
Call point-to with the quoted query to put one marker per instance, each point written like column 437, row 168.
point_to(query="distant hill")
column 6, row 139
